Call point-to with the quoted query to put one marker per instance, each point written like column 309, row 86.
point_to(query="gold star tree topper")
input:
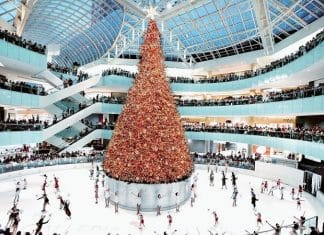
column 152, row 12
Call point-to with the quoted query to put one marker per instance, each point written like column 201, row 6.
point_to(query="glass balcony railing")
column 278, row 74
column 5, row 168
column 12, row 51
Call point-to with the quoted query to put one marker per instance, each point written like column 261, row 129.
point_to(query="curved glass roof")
column 8, row 9
column 84, row 29
column 192, row 31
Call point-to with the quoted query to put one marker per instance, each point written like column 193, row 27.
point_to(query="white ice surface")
column 89, row 218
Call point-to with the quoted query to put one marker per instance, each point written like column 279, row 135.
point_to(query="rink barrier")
column 287, row 229
column 8, row 171
column 149, row 194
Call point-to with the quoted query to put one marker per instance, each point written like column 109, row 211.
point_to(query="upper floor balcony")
column 301, row 70
column 18, row 58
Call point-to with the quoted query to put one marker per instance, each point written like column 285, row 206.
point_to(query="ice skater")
column 177, row 202
column 234, row 178
column 234, row 196
column 301, row 221
column 25, row 184
column 192, row 195
column 91, row 171
column 277, row 228
column 278, row 183
column 298, row 203
column 253, row 199
column 60, row 198
column 141, row 219
column 259, row 220
column 158, row 208
column 138, row 202
column 56, row 184
column 211, row 178
column 300, row 191
column 271, row 190
column 107, row 197
column 96, row 193
column 116, row 202
column 262, row 186
column 40, row 224
column 292, row 193
column 14, row 211
column 17, row 193
column 44, row 185
column 224, row 180
column 282, row 193
column 45, row 201
column 215, row 218
column 265, row 186
column 66, row 207
column 294, row 228
column 14, row 225
column 169, row 217
column 103, row 180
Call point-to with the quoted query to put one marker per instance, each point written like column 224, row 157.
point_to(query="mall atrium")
column 195, row 116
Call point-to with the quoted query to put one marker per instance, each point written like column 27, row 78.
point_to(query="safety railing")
column 311, row 222
column 5, row 168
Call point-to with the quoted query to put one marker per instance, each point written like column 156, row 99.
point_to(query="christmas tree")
column 148, row 144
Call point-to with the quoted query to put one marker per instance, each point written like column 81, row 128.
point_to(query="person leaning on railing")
column 19, row 41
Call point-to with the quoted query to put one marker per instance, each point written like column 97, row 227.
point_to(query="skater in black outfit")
column 234, row 178
column 45, row 202
column 224, row 180
column 15, row 223
column 253, row 199
column 67, row 208
column 40, row 224
column 13, row 213
column 301, row 221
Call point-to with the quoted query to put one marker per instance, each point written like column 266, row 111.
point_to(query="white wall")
column 288, row 175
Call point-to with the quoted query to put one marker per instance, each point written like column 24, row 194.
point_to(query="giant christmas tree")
column 148, row 144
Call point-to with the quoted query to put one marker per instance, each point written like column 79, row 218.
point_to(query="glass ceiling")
column 84, row 29
column 8, row 9
column 205, row 29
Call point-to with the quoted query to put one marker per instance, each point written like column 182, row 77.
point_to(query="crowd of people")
column 20, row 86
column 24, row 157
column 118, row 72
column 300, row 92
column 13, row 124
column 238, row 160
column 232, row 76
column 251, row 73
column 77, row 75
column 62, row 69
column 19, row 41
column 315, row 133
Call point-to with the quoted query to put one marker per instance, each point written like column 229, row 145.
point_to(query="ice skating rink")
column 89, row 218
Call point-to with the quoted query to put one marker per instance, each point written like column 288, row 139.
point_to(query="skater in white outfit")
column 17, row 192
column 107, row 197
column 158, row 208
column 177, row 202
column 116, row 202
